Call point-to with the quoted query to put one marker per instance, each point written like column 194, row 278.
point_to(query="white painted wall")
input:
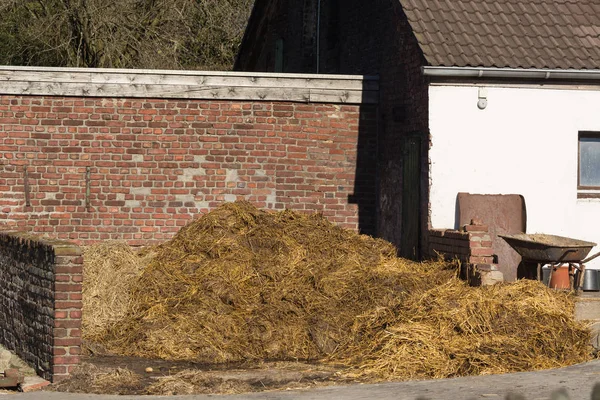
column 525, row 142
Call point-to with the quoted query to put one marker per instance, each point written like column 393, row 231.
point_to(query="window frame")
column 580, row 187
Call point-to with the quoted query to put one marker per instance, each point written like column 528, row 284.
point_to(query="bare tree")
column 168, row 34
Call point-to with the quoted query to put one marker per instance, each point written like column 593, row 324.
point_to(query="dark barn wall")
column 370, row 38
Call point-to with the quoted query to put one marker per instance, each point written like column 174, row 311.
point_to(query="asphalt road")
column 578, row 380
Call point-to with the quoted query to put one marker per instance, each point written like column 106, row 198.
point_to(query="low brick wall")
column 472, row 246
column 40, row 294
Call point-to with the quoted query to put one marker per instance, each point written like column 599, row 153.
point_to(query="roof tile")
column 562, row 34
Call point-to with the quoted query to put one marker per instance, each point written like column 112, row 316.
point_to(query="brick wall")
column 360, row 37
column 449, row 244
column 154, row 164
column 472, row 246
column 40, row 293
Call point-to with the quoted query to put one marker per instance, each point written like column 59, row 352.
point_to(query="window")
column 589, row 160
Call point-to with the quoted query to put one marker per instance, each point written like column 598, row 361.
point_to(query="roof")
column 556, row 34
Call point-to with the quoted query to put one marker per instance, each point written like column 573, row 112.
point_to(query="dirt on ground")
column 577, row 381
column 137, row 376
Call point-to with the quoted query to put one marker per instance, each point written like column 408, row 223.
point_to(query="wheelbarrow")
column 542, row 249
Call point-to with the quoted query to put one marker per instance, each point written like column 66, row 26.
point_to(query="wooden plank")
column 184, row 72
column 188, row 84
column 152, row 91
column 187, row 92
column 14, row 373
column 340, row 96
column 202, row 80
column 6, row 382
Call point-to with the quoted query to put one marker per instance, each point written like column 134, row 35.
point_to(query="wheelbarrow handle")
column 591, row 258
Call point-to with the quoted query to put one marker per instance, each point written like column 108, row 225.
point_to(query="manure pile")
column 111, row 268
column 240, row 284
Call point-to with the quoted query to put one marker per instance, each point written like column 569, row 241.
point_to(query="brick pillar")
column 483, row 270
column 480, row 244
column 67, row 310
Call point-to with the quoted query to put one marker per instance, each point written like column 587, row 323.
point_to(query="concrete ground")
column 578, row 380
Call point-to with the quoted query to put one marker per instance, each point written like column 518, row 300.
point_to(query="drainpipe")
column 512, row 73
column 318, row 36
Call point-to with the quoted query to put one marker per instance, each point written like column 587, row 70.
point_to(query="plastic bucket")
column 590, row 283
column 560, row 278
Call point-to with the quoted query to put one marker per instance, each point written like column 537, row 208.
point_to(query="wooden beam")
column 200, row 80
column 350, row 89
column 190, row 92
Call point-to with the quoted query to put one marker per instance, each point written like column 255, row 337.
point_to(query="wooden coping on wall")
column 88, row 82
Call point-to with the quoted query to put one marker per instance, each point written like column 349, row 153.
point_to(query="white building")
column 539, row 138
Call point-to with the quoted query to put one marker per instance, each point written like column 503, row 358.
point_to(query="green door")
column 411, row 198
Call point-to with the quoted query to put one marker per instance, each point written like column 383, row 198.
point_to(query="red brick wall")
column 472, row 245
column 40, row 293
column 154, row 164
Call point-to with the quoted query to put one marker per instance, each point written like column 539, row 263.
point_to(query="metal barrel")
column 590, row 283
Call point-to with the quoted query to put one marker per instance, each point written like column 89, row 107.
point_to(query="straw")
column 240, row 284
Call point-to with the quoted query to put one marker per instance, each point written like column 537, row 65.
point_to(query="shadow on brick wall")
column 366, row 177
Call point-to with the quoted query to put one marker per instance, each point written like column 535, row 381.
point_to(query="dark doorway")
column 411, row 198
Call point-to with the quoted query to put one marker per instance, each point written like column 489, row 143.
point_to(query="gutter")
column 471, row 73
